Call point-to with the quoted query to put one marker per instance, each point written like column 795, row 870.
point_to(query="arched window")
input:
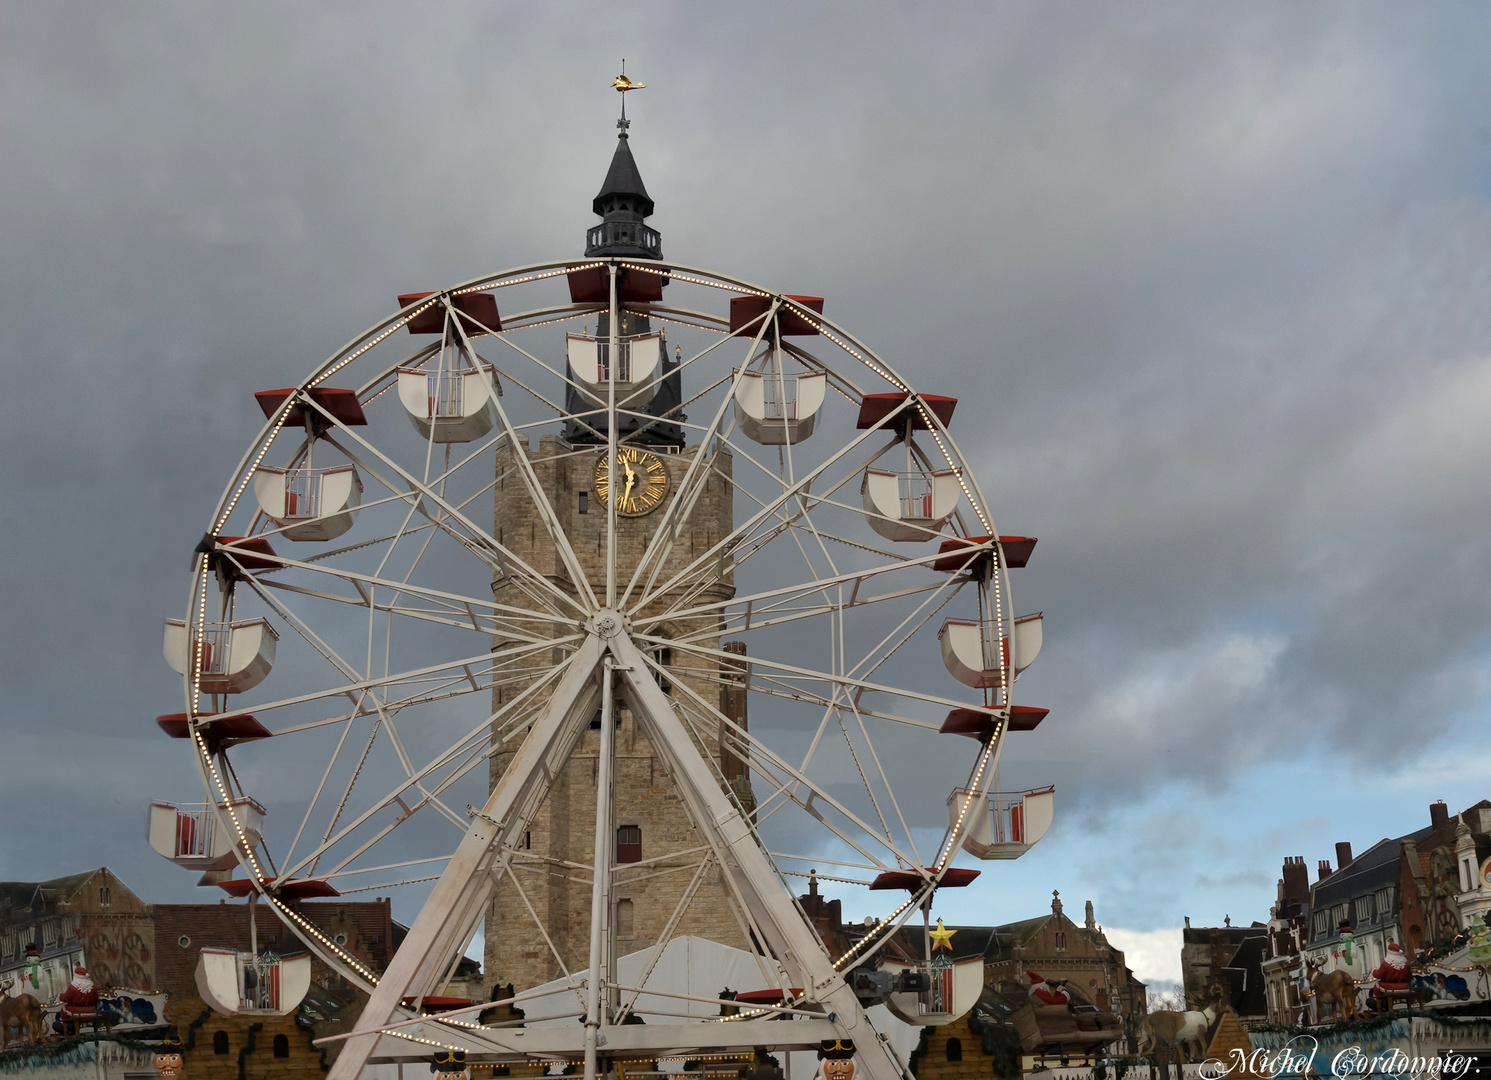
column 664, row 660
column 624, row 917
column 219, row 1042
column 955, row 1049
column 281, row 1046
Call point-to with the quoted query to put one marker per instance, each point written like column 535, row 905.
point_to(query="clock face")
column 641, row 481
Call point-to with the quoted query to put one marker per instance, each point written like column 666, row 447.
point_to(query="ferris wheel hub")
column 607, row 623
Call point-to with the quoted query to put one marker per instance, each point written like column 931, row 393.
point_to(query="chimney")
column 1343, row 854
column 1324, row 870
column 1439, row 815
column 1296, row 880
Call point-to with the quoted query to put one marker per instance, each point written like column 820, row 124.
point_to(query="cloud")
column 1152, row 955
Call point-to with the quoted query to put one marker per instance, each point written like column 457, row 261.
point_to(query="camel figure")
column 22, row 1011
column 1335, row 988
column 1185, row 1031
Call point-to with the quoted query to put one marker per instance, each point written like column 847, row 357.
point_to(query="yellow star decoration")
column 942, row 937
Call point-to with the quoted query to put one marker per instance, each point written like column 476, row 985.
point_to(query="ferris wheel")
column 602, row 603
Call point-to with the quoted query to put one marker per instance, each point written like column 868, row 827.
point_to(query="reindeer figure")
column 1335, row 988
column 1185, row 1031
column 22, row 1011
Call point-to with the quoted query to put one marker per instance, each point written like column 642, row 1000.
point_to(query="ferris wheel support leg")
column 600, row 895
column 467, row 882
column 752, row 876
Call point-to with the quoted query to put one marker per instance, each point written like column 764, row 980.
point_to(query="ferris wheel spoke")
column 414, row 676
column 889, row 789
column 792, row 671
column 889, row 645
column 452, row 603
column 691, row 487
column 723, row 546
column 762, row 753
column 776, row 598
column 519, row 703
column 538, row 923
column 685, row 899
column 480, row 543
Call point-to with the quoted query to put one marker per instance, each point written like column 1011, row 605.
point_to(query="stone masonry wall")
column 563, row 829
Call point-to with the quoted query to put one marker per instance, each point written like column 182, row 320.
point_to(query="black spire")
column 623, row 203
column 623, row 188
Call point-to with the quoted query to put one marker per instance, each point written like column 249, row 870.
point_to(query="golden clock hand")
column 631, row 478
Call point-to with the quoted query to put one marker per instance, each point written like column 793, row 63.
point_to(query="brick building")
column 92, row 919
column 1079, row 957
column 1288, row 929
column 1418, row 890
column 1229, row 957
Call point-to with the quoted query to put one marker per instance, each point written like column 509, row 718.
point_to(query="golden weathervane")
column 622, row 85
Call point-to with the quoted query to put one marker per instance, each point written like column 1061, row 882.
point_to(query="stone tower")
column 653, row 826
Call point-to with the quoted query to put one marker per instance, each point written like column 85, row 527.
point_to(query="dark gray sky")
column 1213, row 281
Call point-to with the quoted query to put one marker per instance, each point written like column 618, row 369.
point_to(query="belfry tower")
column 657, row 852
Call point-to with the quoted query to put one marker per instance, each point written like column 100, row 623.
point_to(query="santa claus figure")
column 1392, row 973
column 1047, row 993
column 80, row 993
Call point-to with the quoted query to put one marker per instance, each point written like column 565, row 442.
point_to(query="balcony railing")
column 444, row 393
column 623, row 361
column 916, row 496
column 194, row 829
column 303, row 493
column 624, row 233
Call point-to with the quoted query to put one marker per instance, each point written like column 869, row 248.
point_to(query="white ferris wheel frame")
column 608, row 645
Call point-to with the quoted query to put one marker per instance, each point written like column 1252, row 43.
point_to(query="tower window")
column 103, row 896
column 281, row 1046
column 219, row 1042
column 629, row 844
column 664, row 658
column 584, row 502
column 624, row 916
column 955, row 1049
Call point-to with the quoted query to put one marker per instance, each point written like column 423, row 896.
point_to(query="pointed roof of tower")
column 623, row 179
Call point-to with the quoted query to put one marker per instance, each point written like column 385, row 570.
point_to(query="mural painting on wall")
column 119, row 956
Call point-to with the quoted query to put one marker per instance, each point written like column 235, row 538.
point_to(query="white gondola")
column 235, row 656
column 195, row 836
column 449, row 406
column 635, row 373
column 777, row 409
column 970, row 655
column 1009, row 823
column 309, row 504
column 954, row 991
column 910, row 506
column 233, row 982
